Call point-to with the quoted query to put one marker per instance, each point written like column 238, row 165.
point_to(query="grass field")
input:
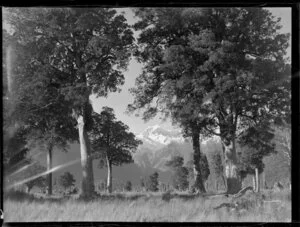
column 148, row 207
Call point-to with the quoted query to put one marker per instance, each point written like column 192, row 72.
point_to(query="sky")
column 119, row 101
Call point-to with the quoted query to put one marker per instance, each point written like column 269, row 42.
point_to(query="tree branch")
column 211, row 131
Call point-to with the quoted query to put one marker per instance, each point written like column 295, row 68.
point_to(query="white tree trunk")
column 233, row 181
column 254, row 182
column 109, row 175
column 86, row 160
column 257, row 180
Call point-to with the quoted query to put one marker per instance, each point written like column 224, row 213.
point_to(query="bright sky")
column 119, row 101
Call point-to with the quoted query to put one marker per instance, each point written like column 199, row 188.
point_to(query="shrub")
column 153, row 182
column 66, row 180
column 167, row 196
column 128, row 186
column 39, row 182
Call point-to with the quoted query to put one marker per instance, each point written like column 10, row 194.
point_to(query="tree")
column 86, row 48
column 128, row 186
column 142, row 183
column 203, row 163
column 180, row 173
column 217, row 166
column 226, row 60
column 31, row 174
column 40, row 118
column 152, row 184
column 255, row 143
column 15, row 150
column 282, row 141
column 161, row 88
column 111, row 141
column 67, row 180
column 38, row 182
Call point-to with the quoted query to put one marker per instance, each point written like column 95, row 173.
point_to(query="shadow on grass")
column 167, row 196
column 20, row 196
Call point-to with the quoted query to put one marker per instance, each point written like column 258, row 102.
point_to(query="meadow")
column 267, row 206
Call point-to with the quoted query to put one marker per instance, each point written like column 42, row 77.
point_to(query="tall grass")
column 139, row 207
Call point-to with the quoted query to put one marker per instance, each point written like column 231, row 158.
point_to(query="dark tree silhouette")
column 128, row 186
column 111, row 141
column 152, row 182
column 225, row 66
column 180, row 173
column 83, row 50
column 67, row 180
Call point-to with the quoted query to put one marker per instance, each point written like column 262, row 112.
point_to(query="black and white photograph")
column 146, row 114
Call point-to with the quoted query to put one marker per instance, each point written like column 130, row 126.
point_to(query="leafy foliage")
column 216, row 162
column 75, row 52
column 203, row 165
column 282, row 141
column 128, row 186
column 67, row 180
column 255, row 144
column 180, row 173
column 209, row 58
column 76, row 41
column 39, row 182
column 111, row 138
column 152, row 182
column 15, row 150
column 219, row 68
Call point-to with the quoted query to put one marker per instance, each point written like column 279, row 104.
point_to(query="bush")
column 39, row 182
column 180, row 173
column 180, row 179
column 66, row 180
column 167, row 196
column 153, row 182
column 17, row 195
column 128, row 186
column 72, row 190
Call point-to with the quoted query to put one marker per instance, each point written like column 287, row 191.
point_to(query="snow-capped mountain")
column 160, row 144
column 156, row 137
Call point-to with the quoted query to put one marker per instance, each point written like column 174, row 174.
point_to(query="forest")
column 217, row 74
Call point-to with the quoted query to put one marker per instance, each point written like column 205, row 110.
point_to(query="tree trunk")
column 233, row 180
column 263, row 180
column 224, row 182
column 109, row 175
column 198, row 183
column 254, row 182
column 49, row 167
column 86, row 160
column 257, row 180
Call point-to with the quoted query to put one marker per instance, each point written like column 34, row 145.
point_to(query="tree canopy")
column 79, row 52
column 221, row 65
column 111, row 138
column 180, row 173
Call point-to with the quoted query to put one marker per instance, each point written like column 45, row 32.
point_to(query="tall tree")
column 37, row 107
column 233, row 60
column 152, row 182
column 180, row 173
column 112, row 141
column 67, row 180
column 87, row 49
column 204, row 169
column 168, row 76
